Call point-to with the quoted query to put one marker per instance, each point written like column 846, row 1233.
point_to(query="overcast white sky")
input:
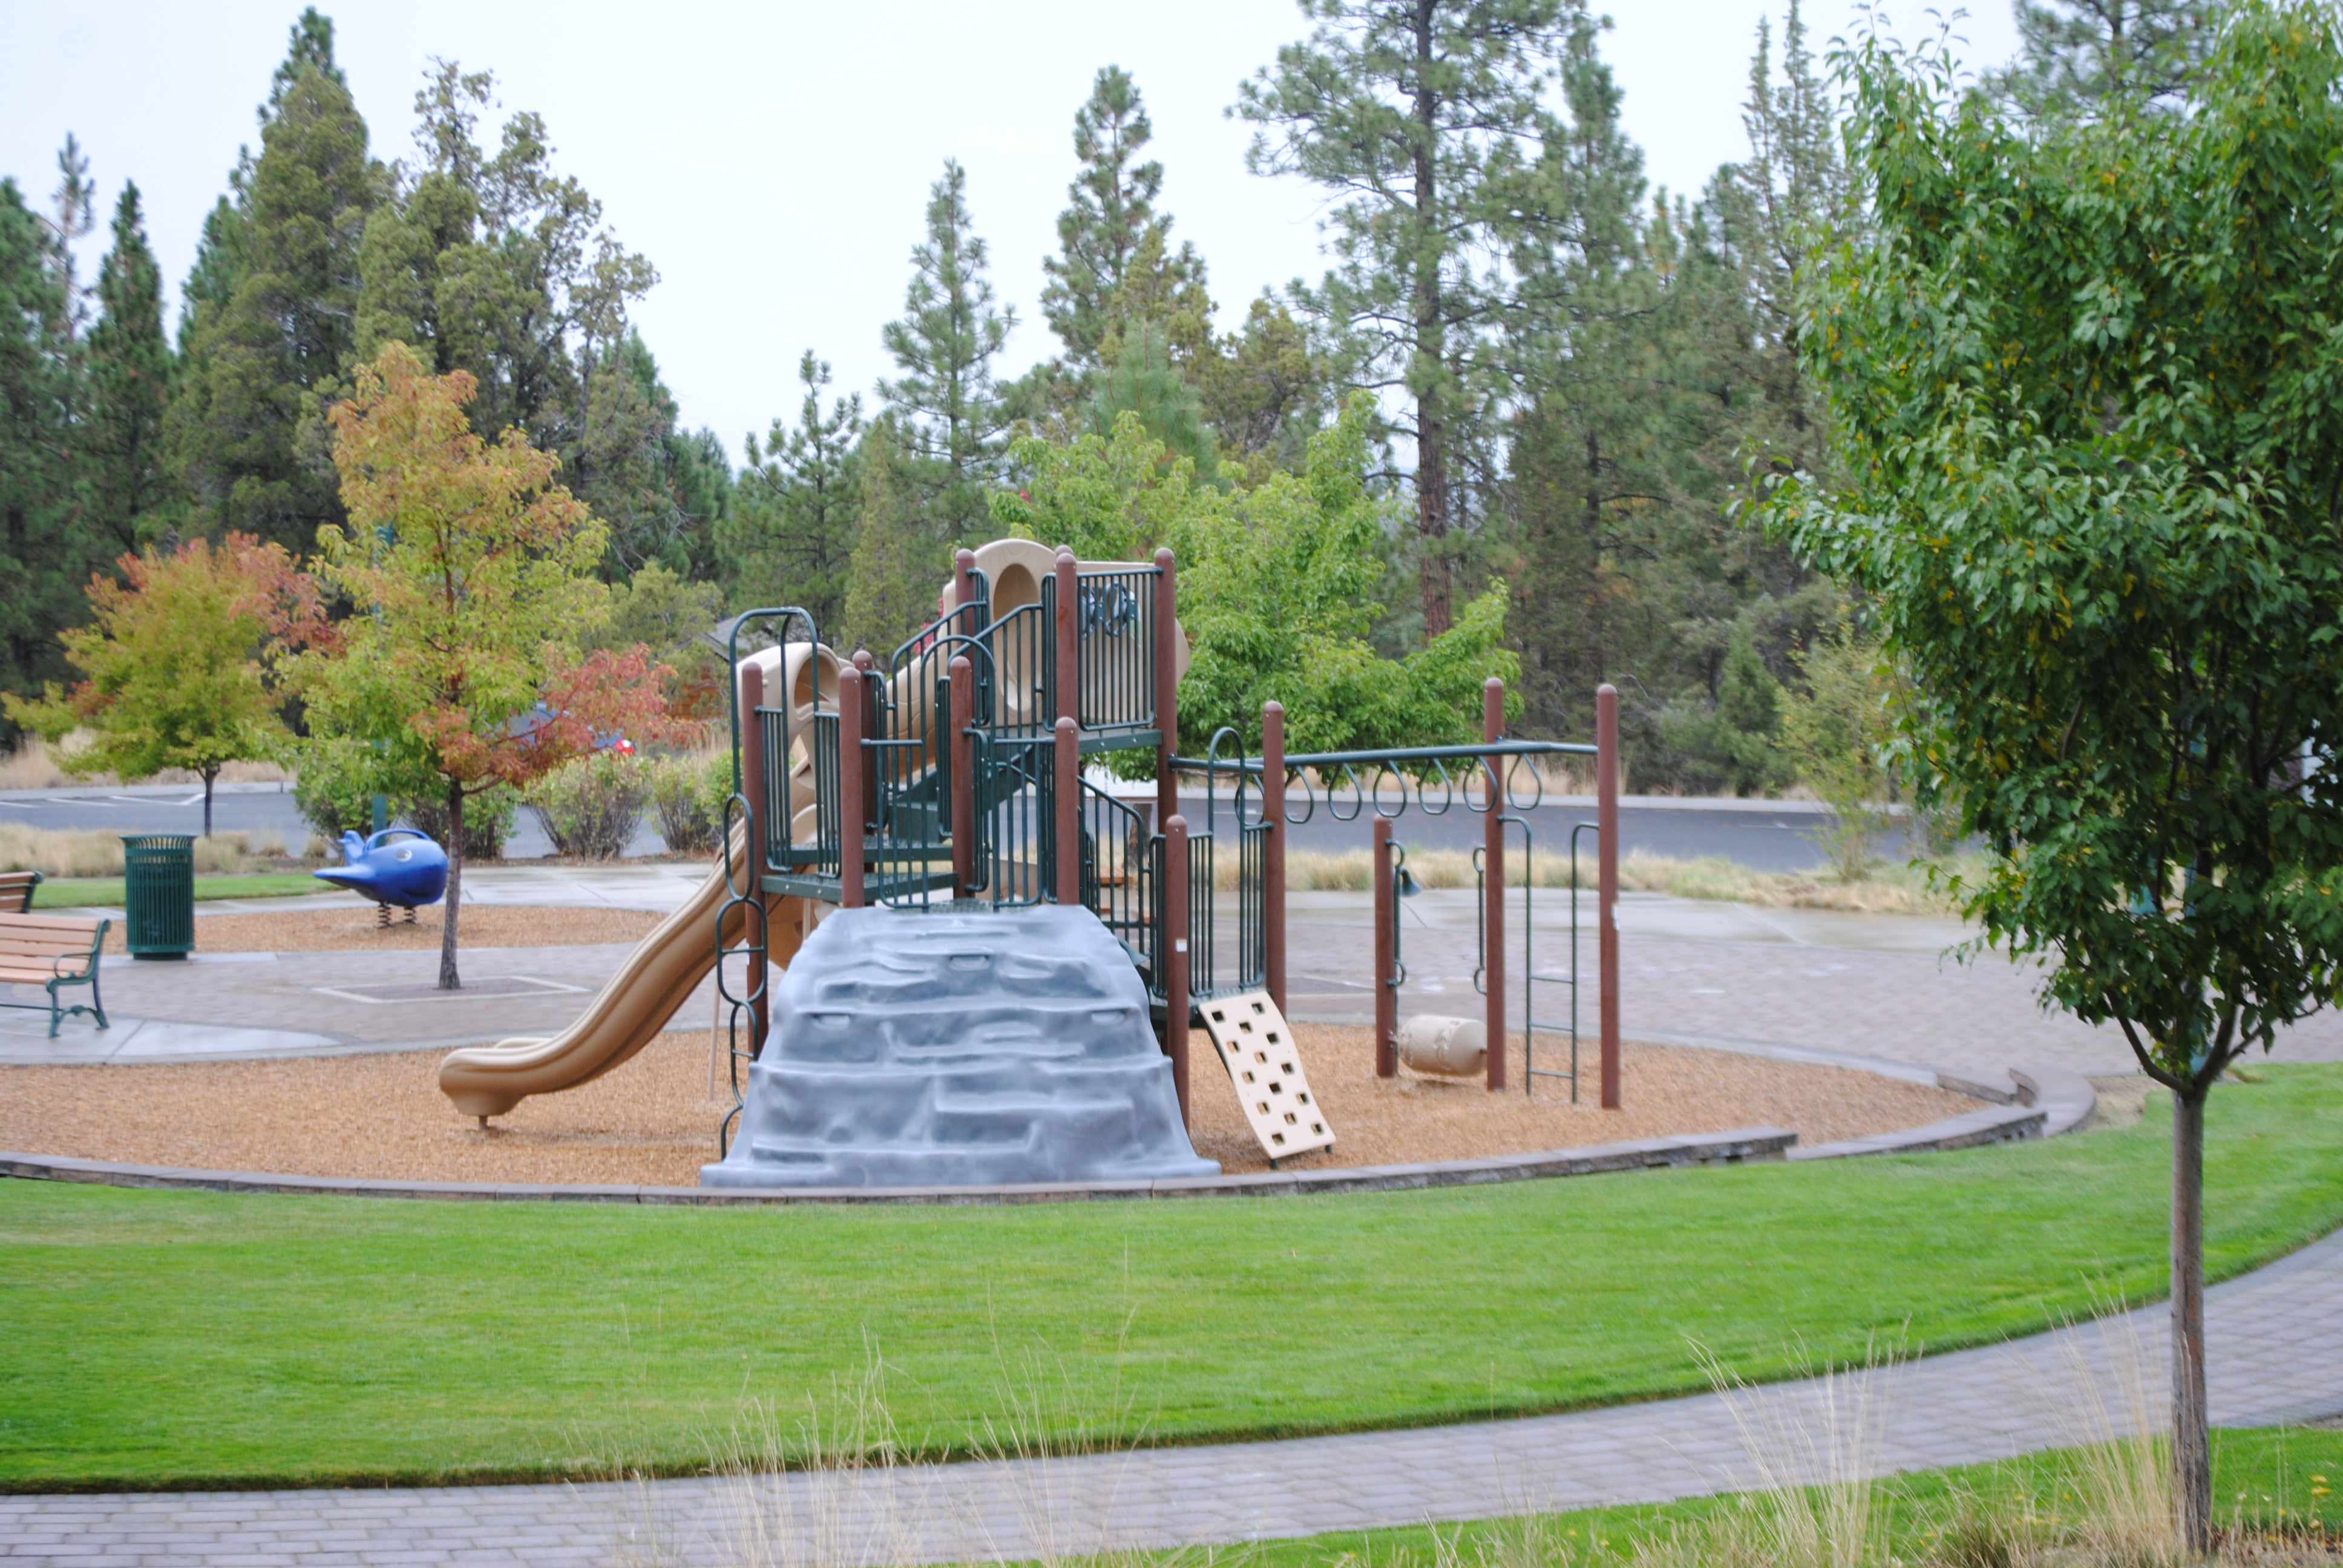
column 773, row 160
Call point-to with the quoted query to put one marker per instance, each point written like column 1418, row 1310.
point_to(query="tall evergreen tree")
column 2076, row 57
column 1110, row 215
column 1423, row 116
column 659, row 492
column 267, row 352
column 1655, row 369
column 131, row 491
column 43, row 556
column 945, row 404
column 898, row 558
column 791, row 530
column 72, row 216
column 488, row 261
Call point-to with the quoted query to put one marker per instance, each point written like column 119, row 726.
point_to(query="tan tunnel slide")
column 657, row 978
column 662, row 973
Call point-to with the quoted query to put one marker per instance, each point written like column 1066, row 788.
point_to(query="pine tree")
column 43, row 556
column 793, row 525
column 267, row 351
column 1266, row 388
column 72, row 210
column 491, row 263
column 1422, row 117
column 2078, row 57
column 945, row 404
column 1110, row 215
column 898, row 558
column 132, row 493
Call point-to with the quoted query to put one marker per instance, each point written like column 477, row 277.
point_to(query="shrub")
column 591, row 807
column 687, row 798
column 336, row 790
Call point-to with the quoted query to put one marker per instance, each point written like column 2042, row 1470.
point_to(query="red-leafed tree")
column 469, row 574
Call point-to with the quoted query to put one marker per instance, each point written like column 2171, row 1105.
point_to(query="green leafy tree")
column 790, row 532
column 132, row 491
column 945, row 405
column 1425, row 119
column 44, row 551
column 2084, row 57
column 1276, row 587
column 2116, row 610
column 172, row 661
column 672, row 616
column 472, row 570
column 275, row 308
column 1110, row 216
column 1836, row 733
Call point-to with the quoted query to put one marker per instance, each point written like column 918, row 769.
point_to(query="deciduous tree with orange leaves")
column 468, row 572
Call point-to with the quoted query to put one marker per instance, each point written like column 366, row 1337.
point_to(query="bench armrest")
column 86, row 964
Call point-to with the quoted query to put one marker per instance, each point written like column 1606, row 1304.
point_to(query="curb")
column 1736, row 1147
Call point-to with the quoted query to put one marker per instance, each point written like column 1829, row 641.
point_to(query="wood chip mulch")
column 333, row 929
column 653, row 1120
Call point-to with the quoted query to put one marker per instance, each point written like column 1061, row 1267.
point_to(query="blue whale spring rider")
column 397, row 865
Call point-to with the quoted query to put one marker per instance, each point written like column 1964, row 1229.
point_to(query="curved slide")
column 657, row 978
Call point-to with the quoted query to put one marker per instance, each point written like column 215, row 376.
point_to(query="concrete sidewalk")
column 2274, row 1355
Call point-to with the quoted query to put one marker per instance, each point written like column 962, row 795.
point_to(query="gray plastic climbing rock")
column 958, row 1048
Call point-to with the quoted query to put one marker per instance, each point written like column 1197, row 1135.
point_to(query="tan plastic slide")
column 657, row 978
column 662, row 973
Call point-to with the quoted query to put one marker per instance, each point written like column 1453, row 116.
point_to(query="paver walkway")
column 2274, row 1355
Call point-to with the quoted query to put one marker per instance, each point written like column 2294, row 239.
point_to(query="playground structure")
column 942, row 797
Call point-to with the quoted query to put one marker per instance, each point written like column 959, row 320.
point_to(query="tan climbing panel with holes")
column 1257, row 1048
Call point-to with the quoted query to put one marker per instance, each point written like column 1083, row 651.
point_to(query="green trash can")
column 159, row 884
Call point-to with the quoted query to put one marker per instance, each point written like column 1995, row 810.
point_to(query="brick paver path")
column 2276, row 1354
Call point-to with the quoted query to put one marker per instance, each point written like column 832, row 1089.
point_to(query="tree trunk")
column 449, row 980
column 210, row 774
column 1431, row 344
column 2192, row 1454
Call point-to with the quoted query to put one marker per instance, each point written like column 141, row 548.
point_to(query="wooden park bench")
column 52, row 952
column 16, row 892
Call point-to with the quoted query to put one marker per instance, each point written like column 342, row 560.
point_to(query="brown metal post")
column 1070, row 637
column 964, row 776
column 1273, row 849
column 1070, row 729
column 1606, row 903
column 964, row 590
column 1172, row 945
column 752, row 787
column 873, row 762
column 1386, row 961
column 1167, row 696
column 852, row 819
column 1070, row 812
column 1493, row 883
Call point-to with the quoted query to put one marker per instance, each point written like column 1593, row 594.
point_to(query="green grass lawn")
column 184, row 1338
column 101, row 891
column 2267, row 1478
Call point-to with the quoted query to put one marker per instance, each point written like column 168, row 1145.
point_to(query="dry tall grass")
column 1887, row 891
column 93, row 852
